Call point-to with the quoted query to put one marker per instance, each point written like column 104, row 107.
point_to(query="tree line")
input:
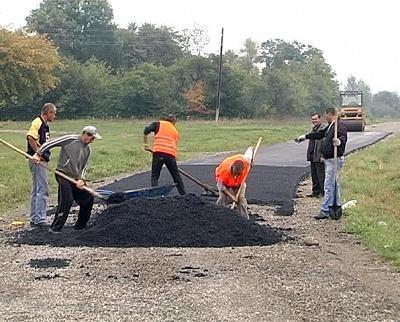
column 72, row 53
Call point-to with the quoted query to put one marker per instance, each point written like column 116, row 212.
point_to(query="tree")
column 297, row 78
column 195, row 99
column 84, row 89
column 144, row 91
column 190, row 70
column 194, row 40
column 386, row 104
column 249, row 54
column 276, row 53
column 28, row 66
column 80, row 28
column 160, row 44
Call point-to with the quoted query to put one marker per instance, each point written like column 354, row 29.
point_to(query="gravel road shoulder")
column 336, row 280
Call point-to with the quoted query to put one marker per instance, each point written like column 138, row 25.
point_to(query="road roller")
column 352, row 112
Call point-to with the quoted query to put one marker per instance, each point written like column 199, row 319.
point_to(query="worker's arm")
column 153, row 127
column 248, row 155
column 36, row 158
column 342, row 133
column 341, row 136
column 33, row 137
column 320, row 134
column 221, row 187
column 33, row 143
column 57, row 142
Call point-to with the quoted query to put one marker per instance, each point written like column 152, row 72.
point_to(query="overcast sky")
column 357, row 37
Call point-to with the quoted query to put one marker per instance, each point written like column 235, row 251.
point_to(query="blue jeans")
column 329, row 185
column 40, row 193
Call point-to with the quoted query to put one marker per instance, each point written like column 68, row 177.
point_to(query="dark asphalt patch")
column 266, row 185
column 49, row 263
column 179, row 221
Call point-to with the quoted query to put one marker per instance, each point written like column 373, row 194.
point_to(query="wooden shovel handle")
column 44, row 165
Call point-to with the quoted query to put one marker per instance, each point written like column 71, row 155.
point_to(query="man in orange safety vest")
column 165, row 142
column 230, row 175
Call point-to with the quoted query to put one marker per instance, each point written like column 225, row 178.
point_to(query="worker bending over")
column 165, row 142
column 230, row 175
column 74, row 157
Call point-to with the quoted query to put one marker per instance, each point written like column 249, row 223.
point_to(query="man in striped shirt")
column 73, row 161
column 38, row 134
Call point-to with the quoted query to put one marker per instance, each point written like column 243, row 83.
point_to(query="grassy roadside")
column 372, row 177
column 120, row 150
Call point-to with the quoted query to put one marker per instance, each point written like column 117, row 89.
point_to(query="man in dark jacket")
column 314, row 155
column 328, row 143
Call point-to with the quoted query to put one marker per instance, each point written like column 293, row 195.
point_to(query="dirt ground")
column 336, row 280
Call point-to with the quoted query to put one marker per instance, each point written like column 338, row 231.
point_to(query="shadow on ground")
column 178, row 221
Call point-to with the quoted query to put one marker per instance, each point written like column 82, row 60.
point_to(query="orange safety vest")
column 166, row 139
column 224, row 174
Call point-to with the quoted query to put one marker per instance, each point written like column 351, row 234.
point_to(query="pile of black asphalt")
column 176, row 221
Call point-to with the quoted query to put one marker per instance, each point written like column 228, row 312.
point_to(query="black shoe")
column 322, row 215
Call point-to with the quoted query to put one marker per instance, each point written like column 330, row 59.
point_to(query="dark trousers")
column 317, row 177
column 159, row 159
column 67, row 193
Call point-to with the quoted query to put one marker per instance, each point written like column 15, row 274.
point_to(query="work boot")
column 322, row 215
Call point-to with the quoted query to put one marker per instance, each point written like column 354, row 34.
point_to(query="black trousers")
column 159, row 159
column 67, row 193
column 317, row 177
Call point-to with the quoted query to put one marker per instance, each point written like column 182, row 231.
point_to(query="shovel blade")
column 335, row 212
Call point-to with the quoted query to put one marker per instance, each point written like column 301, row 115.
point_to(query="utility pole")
column 219, row 78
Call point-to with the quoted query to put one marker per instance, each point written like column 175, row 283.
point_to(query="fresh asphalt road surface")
column 291, row 154
column 273, row 180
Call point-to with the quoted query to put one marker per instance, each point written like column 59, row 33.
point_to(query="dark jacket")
column 314, row 150
column 327, row 134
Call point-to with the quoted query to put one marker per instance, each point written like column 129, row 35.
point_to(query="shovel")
column 206, row 187
column 44, row 165
column 335, row 211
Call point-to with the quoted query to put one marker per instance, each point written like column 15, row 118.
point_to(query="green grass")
column 120, row 150
column 372, row 177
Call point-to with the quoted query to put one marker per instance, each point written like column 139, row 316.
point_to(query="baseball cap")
column 91, row 130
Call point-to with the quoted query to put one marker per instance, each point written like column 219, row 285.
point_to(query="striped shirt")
column 74, row 155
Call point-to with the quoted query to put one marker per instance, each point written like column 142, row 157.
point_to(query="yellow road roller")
column 352, row 112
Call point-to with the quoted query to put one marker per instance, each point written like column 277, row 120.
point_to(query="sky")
column 358, row 38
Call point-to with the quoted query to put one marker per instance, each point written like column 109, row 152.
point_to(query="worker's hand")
column 146, row 147
column 80, row 184
column 36, row 158
column 336, row 142
column 300, row 138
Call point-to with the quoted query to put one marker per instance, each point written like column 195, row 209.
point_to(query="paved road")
column 273, row 181
column 291, row 154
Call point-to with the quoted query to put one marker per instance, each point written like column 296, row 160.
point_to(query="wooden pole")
column 219, row 78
